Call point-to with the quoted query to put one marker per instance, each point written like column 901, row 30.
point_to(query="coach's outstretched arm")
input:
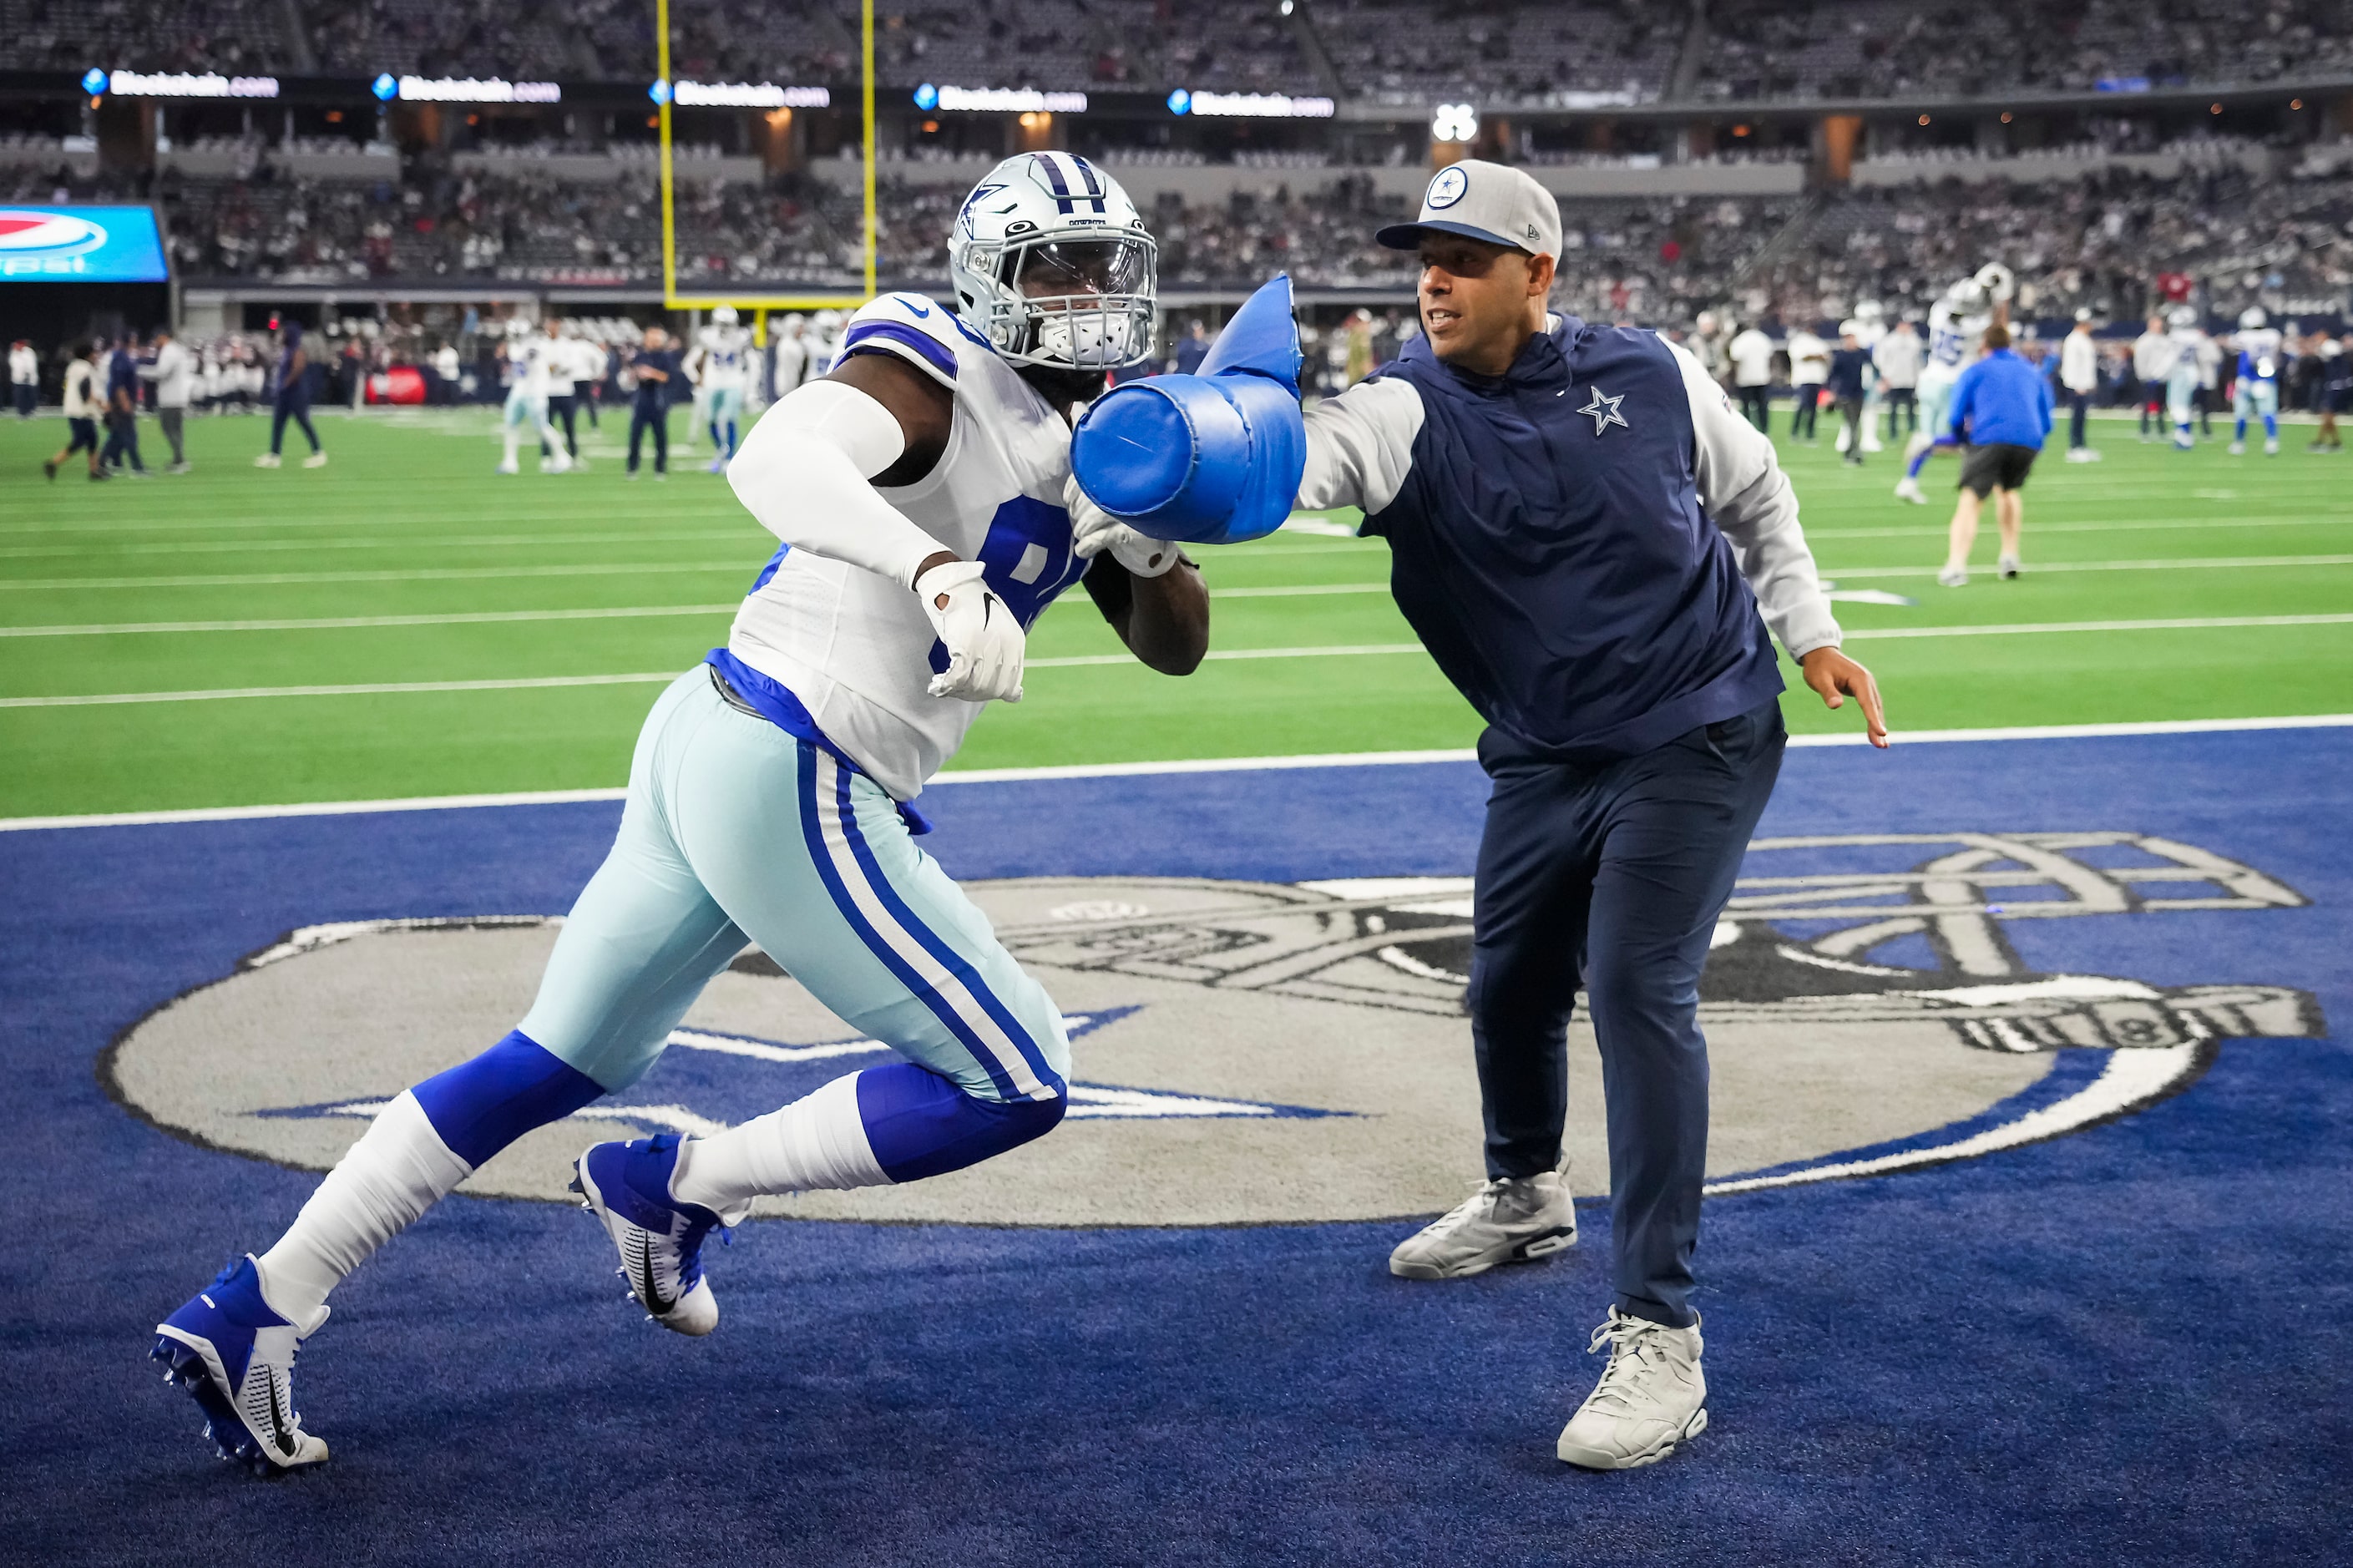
column 807, row 472
column 1743, row 488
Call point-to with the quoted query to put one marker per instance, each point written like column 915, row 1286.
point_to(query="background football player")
column 918, row 492
column 2258, row 384
column 1957, row 324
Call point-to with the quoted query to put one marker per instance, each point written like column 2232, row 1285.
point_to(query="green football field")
column 404, row 623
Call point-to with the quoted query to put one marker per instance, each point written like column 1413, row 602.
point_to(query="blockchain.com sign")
column 81, row 245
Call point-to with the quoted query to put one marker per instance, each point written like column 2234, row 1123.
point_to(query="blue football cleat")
column 627, row 1185
column 232, row 1353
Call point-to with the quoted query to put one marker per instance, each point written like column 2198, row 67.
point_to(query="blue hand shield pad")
column 1214, row 459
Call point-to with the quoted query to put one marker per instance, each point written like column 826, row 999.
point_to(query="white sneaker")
column 558, row 464
column 1508, row 1220
column 2077, row 454
column 1651, row 1396
column 2006, row 567
column 268, row 460
column 1954, row 577
column 2091, row 454
column 316, row 460
column 509, row 468
column 1873, row 444
column 1908, row 488
column 2271, row 447
column 2238, row 448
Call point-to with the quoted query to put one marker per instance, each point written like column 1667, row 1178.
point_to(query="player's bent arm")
column 1360, row 446
column 1743, row 488
column 1163, row 619
column 807, row 470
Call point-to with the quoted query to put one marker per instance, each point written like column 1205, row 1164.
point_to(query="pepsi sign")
column 81, row 245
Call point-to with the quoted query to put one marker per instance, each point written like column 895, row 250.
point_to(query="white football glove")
column 1094, row 531
column 984, row 641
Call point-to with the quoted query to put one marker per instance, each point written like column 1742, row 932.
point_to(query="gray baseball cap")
column 1480, row 200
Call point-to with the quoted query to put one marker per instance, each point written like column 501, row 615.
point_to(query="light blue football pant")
column 2256, row 397
column 726, row 416
column 735, row 830
column 2180, row 392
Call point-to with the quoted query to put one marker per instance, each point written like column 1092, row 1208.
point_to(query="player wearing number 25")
column 918, row 491
column 1583, row 534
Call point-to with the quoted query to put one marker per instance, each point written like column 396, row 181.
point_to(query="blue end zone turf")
column 2127, row 1345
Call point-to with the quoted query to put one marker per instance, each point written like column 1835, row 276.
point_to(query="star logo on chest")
column 1604, row 410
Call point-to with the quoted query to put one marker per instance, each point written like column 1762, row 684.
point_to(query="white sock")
column 512, row 444
column 398, row 1170
column 815, row 1143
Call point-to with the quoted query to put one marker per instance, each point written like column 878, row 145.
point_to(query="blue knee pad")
column 919, row 1124
column 479, row 1107
column 1211, row 458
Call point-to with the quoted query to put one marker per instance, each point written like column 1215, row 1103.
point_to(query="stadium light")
column 1454, row 122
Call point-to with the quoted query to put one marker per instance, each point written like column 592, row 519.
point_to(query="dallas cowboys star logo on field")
column 1604, row 410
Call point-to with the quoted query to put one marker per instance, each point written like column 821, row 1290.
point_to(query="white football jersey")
column 856, row 648
column 1953, row 341
column 727, row 359
column 532, row 361
column 2259, row 353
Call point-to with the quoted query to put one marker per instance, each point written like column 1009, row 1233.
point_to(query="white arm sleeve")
column 803, row 472
column 1360, row 446
column 1744, row 489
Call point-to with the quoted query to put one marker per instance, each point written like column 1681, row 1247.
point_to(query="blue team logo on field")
column 1251, row 1052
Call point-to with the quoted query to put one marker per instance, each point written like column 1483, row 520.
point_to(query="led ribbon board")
column 81, row 245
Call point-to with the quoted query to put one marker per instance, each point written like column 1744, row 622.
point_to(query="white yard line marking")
column 1932, row 528
column 415, row 574
column 1142, row 770
column 1078, row 661
column 348, row 623
column 2203, row 564
column 430, row 542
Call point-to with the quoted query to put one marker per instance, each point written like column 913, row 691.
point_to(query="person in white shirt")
column 445, row 367
column 563, row 370
column 173, row 371
column 24, row 377
column 1809, row 366
column 2153, row 355
column 2079, row 374
column 1752, row 376
column 1898, row 359
column 83, row 406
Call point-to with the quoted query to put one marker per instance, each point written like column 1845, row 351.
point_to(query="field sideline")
column 404, row 624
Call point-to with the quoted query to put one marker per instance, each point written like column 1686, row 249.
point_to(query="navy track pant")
column 293, row 402
column 643, row 422
column 1614, row 873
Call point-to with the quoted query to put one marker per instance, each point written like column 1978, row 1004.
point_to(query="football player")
column 727, row 370
column 531, row 360
column 2258, row 388
column 2181, row 381
column 918, row 492
column 1957, row 324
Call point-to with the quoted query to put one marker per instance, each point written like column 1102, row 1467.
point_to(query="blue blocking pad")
column 1213, row 458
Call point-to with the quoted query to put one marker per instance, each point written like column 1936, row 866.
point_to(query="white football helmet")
column 723, row 315
column 1053, row 266
column 1999, row 282
column 1968, row 297
column 2251, row 318
column 2181, row 318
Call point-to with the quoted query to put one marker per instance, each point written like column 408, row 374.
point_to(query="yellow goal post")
column 761, row 304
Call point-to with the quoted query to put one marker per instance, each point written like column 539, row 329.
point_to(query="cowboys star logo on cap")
column 1492, row 203
column 1448, row 188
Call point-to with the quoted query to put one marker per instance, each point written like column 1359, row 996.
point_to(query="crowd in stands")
column 1896, row 48
column 2100, row 241
column 1496, row 52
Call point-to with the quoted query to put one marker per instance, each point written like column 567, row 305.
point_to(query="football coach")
column 1591, row 544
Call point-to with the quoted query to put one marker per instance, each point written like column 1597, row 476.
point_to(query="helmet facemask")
column 1075, row 301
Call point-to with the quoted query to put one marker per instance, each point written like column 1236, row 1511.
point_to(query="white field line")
column 414, row 574
column 455, row 542
column 1077, row 661
column 1143, row 770
column 1933, row 527
column 450, row 573
column 350, row 623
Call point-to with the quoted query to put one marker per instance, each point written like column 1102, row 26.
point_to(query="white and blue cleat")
column 627, row 1186
column 233, row 1353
